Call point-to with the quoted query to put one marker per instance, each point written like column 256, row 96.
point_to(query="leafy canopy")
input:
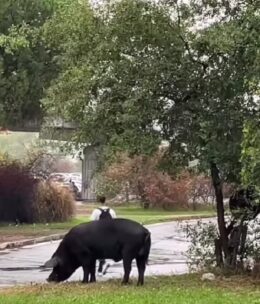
column 136, row 73
column 26, row 64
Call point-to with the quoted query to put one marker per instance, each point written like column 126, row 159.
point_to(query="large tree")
column 26, row 64
column 136, row 73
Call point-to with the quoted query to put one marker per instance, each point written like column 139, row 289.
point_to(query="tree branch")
column 186, row 44
column 220, row 207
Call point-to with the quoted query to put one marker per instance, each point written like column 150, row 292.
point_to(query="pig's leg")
column 93, row 271
column 86, row 271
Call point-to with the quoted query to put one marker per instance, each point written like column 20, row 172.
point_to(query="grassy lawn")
column 12, row 232
column 151, row 216
column 185, row 289
column 17, row 144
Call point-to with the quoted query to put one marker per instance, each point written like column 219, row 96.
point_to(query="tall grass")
column 53, row 203
column 25, row 199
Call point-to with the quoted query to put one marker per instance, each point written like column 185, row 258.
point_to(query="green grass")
column 186, row 289
column 37, row 229
column 151, row 216
column 16, row 144
column 132, row 212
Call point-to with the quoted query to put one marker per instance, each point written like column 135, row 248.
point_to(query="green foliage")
column 251, row 154
column 226, row 56
column 15, row 39
column 26, row 65
column 104, row 101
column 135, row 73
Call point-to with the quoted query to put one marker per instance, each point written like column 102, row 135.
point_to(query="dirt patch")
column 83, row 210
column 12, row 238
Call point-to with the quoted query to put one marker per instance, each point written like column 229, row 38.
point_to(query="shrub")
column 53, row 203
column 17, row 189
column 39, row 163
column 140, row 177
column 200, row 190
column 26, row 199
column 162, row 191
column 120, row 177
column 201, row 253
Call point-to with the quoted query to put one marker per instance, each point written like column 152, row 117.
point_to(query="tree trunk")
column 232, row 239
column 243, row 240
column 142, row 195
column 127, row 192
column 223, row 239
column 194, row 204
column 234, row 242
column 218, row 253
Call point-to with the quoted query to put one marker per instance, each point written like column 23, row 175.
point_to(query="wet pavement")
column 169, row 244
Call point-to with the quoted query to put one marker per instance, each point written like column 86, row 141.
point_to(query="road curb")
column 55, row 237
column 26, row 242
column 181, row 219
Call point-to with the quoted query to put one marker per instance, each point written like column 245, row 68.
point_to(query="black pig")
column 115, row 239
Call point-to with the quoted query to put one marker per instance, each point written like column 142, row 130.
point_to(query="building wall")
column 89, row 166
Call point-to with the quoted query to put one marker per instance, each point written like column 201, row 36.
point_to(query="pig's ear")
column 53, row 262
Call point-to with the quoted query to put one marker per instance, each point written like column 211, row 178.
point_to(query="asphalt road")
column 169, row 244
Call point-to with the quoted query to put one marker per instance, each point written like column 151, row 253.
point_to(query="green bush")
column 251, row 155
